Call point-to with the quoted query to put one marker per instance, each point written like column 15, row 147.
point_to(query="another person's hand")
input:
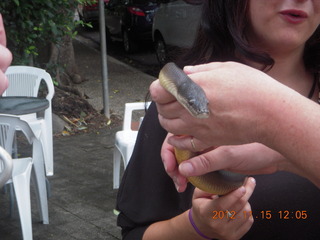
column 246, row 106
column 226, row 217
column 238, row 96
column 5, row 58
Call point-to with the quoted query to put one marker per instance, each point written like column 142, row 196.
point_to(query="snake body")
column 193, row 98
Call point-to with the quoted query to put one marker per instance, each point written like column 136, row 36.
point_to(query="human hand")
column 239, row 99
column 170, row 162
column 171, row 165
column 210, row 212
column 5, row 58
column 247, row 159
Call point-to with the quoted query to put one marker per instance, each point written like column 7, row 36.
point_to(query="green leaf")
column 17, row 2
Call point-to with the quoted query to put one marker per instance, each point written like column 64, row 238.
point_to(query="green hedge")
column 30, row 24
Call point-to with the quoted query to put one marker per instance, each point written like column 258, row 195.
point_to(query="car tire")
column 161, row 50
column 108, row 36
column 128, row 44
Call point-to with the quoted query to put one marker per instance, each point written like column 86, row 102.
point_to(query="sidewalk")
column 82, row 199
column 125, row 83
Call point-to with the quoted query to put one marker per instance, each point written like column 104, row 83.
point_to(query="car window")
column 143, row 1
column 113, row 3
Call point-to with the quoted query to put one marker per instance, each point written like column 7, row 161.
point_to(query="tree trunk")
column 62, row 56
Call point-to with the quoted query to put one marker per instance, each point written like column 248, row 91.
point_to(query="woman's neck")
column 290, row 70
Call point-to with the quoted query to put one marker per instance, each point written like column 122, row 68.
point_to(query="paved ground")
column 82, row 199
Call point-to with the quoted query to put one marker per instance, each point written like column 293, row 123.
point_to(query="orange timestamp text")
column 265, row 214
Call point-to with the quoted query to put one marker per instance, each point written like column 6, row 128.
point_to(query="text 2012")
column 265, row 214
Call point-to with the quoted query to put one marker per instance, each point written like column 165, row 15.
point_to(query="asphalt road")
column 144, row 59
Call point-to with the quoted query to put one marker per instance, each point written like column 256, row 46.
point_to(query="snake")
column 193, row 98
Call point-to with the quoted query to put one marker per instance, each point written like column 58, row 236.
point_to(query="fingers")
column 188, row 142
column 206, row 162
column 201, row 67
column 226, row 217
column 238, row 199
column 159, row 94
column 171, row 166
column 239, row 208
column 171, row 110
column 5, row 58
column 176, row 125
column 3, row 40
column 167, row 105
column 234, row 201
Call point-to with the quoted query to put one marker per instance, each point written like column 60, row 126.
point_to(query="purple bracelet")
column 195, row 226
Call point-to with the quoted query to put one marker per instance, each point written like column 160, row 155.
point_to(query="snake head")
column 187, row 92
column 195, row 100
column 198, row 107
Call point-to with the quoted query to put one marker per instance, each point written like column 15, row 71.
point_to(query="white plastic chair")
column 25, row 81
column 125, row 140
column 6, row 166
column 22, row 167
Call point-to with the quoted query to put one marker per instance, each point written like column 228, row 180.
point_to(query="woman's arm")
column 293, row 130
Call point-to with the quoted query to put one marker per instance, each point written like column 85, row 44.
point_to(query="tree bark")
column 63, row 57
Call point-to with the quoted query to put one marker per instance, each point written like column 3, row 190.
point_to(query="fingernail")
column 177, row 186
column 188, row 68
column 175, row 183
column 253, row 180
column 186, row 169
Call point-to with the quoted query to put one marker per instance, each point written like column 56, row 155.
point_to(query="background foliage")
column 32, row 24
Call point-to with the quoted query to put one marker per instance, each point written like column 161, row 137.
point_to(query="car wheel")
column 128, row 44
column 161, row 50
column 108, row 36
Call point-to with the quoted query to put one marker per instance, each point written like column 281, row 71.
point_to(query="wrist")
column 273, row 112
column 194, row 226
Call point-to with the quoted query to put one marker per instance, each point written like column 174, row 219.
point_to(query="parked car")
column 175, row 25
column 89, row 12
column 130, row 21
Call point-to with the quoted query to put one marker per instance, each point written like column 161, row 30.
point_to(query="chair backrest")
column 25, row 81
column 128, row 110
column 8, row 126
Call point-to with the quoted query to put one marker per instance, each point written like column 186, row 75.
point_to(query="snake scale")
column 193, row 98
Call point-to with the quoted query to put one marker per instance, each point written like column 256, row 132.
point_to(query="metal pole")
column 103, row 49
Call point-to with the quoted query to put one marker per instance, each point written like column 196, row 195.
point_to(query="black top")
column 147, row 195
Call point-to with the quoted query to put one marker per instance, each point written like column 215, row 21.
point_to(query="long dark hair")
column 222, row 34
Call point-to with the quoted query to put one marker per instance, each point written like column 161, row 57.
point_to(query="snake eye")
column 192, row 101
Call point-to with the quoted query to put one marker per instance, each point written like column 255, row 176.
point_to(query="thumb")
column 204, row 163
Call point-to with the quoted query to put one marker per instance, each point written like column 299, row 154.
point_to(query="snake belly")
column 193, row 98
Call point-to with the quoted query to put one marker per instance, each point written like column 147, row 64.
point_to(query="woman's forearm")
column 292, row 128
